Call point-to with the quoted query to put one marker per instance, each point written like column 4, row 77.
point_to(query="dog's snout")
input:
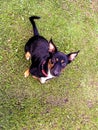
column 56, row 73
column 56, row 70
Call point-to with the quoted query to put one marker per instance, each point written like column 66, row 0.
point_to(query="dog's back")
column 37, row 45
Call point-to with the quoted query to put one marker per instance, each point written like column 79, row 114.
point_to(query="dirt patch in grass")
column 56, row 100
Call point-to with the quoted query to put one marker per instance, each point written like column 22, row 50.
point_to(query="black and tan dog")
column 47, row 61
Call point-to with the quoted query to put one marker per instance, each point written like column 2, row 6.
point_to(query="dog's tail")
column 34, row 25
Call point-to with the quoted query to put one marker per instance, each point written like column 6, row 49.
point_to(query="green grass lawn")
column 69, row 102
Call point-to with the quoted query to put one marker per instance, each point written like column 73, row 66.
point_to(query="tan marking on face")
column 28, row 55
column 62, row 61
column 57, row 59
column 27, row 73
column 50, row 65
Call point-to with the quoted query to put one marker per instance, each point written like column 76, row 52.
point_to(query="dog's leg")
column 36, row 78
column 28, row 55
column 43, row 79
column 27, row 73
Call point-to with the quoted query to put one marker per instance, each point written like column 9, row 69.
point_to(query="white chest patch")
column 43, row 79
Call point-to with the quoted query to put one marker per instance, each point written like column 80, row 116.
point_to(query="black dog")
column 47, row 61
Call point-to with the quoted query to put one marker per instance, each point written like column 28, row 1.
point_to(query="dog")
column 46, row 61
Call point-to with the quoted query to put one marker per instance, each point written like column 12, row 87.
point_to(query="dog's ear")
column 72, row 56
column 52, row 47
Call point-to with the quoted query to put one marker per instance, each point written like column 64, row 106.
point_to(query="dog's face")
column 60, row 60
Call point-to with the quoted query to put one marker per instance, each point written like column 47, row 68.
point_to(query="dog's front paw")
column 42, row 80
column 26, row 74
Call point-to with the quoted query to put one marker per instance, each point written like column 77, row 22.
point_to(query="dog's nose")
column 56, row 73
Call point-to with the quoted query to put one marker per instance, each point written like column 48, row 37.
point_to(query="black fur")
column 38, row 47
column 42, row 52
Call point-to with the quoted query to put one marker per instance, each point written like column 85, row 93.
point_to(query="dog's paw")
column 42, row 80
column 26, row 74
column 28, row 56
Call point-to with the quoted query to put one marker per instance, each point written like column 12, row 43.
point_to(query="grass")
column 69, row 102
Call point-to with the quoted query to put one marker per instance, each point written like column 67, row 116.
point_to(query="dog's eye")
column 63, row 64
column 62, row 61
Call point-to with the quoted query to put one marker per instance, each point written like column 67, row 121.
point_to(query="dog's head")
column 59, row 60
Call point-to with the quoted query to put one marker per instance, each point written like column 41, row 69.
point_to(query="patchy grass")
column 69, row 102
